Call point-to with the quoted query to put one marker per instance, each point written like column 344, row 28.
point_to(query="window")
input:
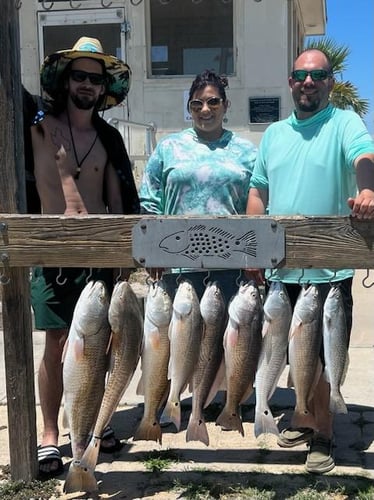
column 188, row 36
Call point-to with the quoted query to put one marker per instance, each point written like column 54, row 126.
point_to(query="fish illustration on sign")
column 200, row 241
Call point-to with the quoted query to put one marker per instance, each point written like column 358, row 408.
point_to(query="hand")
column 363, row 205
column 256, row 275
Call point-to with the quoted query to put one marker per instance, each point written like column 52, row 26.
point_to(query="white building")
column 167, row 42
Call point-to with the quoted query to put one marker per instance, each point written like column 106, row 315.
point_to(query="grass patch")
column 157, row 461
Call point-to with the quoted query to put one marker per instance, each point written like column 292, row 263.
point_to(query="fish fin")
column 65, row 420
column 265, row 423
column 303, row 419
column 148, row 431
column 250, row 243
column 296, row 330
column 247, row 393
column 346, row 365
column 107, row 351
column 289, row 379
column 80, row 479
column 64, row 350
column 337, row 403
column 155, row 339
column 78, row 349
column 197, row 430
column 230, row 421
column 231, row 335
column 172, row 413
column 217, row 383
column 140, row 386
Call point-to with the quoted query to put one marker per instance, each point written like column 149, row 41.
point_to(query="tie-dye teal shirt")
column 187, row 176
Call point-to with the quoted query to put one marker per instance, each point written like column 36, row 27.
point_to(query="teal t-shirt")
column 307, row 166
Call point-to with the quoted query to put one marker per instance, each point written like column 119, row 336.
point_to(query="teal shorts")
column 55, row 291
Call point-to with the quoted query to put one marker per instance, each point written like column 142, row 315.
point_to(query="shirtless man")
column 80, row 167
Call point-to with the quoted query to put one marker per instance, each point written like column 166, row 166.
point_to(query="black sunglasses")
column 80, row 76
column 315, row 74
column 196, row 105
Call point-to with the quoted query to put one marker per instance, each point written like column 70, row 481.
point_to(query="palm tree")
column 344, row 94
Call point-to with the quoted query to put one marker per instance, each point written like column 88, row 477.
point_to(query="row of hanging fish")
column 201, row 345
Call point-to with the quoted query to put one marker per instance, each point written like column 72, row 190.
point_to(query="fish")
column 242, row 345
column 185, row 333
column 305, row 340
column 126, row 321
column 154, row 383
column 85, row 363
column 201, row 241
column 209, row 370
column 273, row 356
column 335, row 342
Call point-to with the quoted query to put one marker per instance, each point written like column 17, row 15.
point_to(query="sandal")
column 48, row 455
column 108, row 434
column 289, row 437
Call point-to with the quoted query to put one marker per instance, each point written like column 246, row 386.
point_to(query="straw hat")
column 118, row 73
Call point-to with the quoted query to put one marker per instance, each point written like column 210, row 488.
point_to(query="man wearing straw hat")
column 80, row 167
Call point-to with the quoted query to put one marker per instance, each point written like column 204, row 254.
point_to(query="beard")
column 307, row 104
column 84, row 102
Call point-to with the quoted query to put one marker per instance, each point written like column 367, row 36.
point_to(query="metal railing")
column 150, row 136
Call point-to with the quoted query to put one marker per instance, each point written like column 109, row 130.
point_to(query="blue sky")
column 351, row 23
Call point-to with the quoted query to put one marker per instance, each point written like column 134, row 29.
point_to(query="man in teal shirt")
column 318, row 161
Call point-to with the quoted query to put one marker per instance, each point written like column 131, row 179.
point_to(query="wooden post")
column 17, row 325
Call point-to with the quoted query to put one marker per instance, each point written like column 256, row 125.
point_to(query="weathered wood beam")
column 106, row 241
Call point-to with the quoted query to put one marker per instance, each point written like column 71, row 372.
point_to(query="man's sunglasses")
column 196, row 105
column 315, row 74
column 80, row 76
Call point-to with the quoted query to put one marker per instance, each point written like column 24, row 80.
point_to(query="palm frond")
column 345, row 96
column 338, row 54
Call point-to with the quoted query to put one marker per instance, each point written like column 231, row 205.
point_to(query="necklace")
column 79, row 163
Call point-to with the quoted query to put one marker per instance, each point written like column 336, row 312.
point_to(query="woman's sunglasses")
column 196, row 105
column 316, row 74
column 80, row 76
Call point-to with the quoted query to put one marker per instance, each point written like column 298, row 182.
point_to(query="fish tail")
column 230, row 421
column 91, row 454
column 80, row 478
column 197, row 430
column 172, row 413
column 303, row 418
column 265, row 423
column 250, row 243
column 148, row 431
column 337, row 403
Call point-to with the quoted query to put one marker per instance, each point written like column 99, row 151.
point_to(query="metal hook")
column 206, row 279
column 301, row 277
column 366, row 278
column 332, row 277
column 18, row 4
column 89, row 276
column 59, row 281
column 45, row 6
column 106, row 5
column 179, row 277
column 119, row 275
column 238, row 279
column 72, row 6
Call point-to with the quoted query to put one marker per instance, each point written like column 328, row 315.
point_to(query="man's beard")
column 84, row 102
column 308, row 106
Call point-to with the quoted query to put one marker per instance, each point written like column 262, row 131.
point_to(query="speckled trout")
column 335, row 340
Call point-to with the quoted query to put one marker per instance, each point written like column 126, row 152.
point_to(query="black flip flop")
column 47, row 455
